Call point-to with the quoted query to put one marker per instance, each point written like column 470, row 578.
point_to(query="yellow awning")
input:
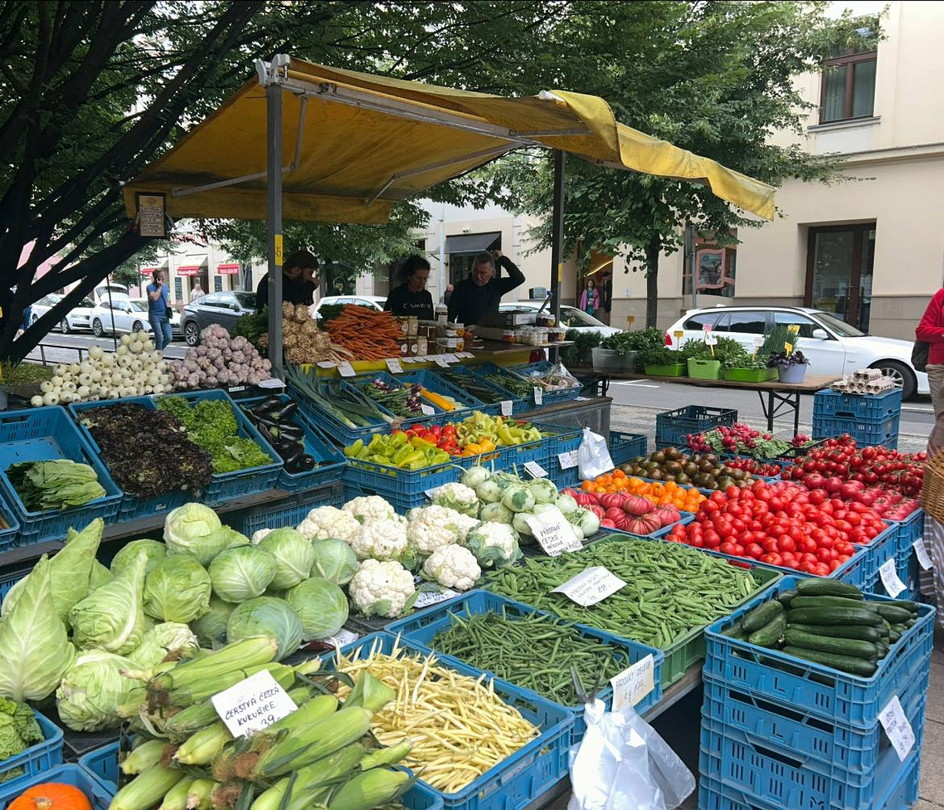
column 354, row 144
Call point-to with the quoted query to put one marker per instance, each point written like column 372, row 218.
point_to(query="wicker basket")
column 932, row 490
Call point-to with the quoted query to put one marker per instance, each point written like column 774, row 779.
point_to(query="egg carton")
column 865, row 382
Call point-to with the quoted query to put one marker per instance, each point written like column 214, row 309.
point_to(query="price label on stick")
column 345, row 369
column 393, row 366
column 252, row 704
column 921, row 552
column 897, row 727
column 538, row 395
column 633, row 683
column 890, row 579
column 758, row 341
column 591, row 586
column 507, row 406
column 711, row 339
column 553, row 533
column 535, row 470
column 567, row 460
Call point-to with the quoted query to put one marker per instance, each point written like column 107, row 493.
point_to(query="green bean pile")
column 670, row 588
column 535, row 652
column 518, row 387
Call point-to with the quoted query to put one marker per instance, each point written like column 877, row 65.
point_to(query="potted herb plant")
column 661, row 361
column 743, row 366
column 701, row 359
column 790, row 364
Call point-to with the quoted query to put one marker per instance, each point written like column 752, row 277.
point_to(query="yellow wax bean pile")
column 458, row 726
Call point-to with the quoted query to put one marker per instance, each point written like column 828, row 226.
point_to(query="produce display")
column 348, row 404
column 704, row 470
column 829, row 623
column 670, row 590
column 219, row 360
column 754, row 467
column 147, row 451
column 521, row 388
column 277, row 422
column 459, row 728
column 54, row 485
column 781, row 524
column 366, row 333
column 556, row 378
column 627, row 512
column 134, row 369
column 470, row 383
column 18, row 731
column 685, row 498
column 402, row 449
column 743, row 440
column 212, row 425
column 303, row 341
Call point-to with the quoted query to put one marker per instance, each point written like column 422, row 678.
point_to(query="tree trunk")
column 653, row 250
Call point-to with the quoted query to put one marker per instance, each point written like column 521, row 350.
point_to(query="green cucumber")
column 761, row 615
column 770, row 634
column 895, row 615
column 860, row 631
column 785, row 597
column 825, row 602
column 906, row 604
column 827, row 587
column 840, row 646
column 835, row 615
column 844, row 663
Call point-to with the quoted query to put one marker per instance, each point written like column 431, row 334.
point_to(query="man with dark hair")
column 482, row 291
column 298, row 280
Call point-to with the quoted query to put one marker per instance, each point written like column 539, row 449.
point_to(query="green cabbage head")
column 155, row 553
column 195, row 529
column 267, row 616
column 164, row 638
column 334, row 560
column 293, row 555
column 211, row 626
column 321, row 605
column 177, row 589
column 242, row 573
column 93, row 690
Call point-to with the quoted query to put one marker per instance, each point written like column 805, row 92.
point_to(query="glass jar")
column 508, row 336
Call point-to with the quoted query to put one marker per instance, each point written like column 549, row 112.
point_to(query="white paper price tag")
column 705, row 327
column 272, row 382
column 921, row 552
column 890, row 579
column 591, row 586
column 758, row 341
column 408, row 360
column 345, row 369
column 450, row 358
column 428, row 410
column 897, row 727
column 633, row 683
column 342, row 638
column 567, row 460
column 507, row 406
column 553, row 533
column 440, row 361
column 393, row 366
column 711, row 339
column 252, row 704
column 535, row 470
column 538, row 395
column 427, row 598
column 326, row 364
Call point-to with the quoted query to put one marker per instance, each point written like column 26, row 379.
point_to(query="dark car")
column 223, row 308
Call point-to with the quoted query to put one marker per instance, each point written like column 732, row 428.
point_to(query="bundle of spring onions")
column 346, row 403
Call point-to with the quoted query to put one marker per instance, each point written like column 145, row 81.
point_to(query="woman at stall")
column 412, row 298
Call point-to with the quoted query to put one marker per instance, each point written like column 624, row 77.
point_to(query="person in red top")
column 931, row 330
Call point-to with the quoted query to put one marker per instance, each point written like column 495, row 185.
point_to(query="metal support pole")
column 557, row 233
column 690, row 260
column 274, row 209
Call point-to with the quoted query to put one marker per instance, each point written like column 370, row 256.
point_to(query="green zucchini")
column 906, row 604
column 785, row 597
column 761, row 615
column 834, row 615
column 825, row 602
column 844, row 663
column 770, row 634
column 883, row 648
column 817, row 586
column 859, row 631
column 736, row 630
column 895, row 615
column 841, row 646
column 894, row 636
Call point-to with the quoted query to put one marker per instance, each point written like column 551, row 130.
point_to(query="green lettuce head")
column 242, row 573
column 155, row 553
column 93, row 690
column 112, row 618
column 293, row 555
column 195, row 529
column 321, row 605
column 177, row 589
column 267, row 616
column 34, row 643
column 335, row 560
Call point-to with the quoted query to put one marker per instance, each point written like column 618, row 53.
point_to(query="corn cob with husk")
column 144, row 756
column 176, row 797
column 305, row 782
column 199, row 797
column 147, row 789
column 370, row 789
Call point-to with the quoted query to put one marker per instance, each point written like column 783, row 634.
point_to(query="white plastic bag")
column 623, row 764
column 593, row 456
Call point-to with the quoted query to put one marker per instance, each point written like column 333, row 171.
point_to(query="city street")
column 59, row 348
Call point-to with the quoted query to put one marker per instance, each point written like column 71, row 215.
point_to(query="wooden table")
column 781, row 398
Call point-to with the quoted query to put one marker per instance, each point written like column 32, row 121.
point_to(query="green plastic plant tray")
column 704, row 369
column 754, row 375
column 772, row 374
column 674, row 370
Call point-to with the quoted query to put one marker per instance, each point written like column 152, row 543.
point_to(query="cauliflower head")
column 329, row 522
column 369, row 507
column 453, row 567
column 381, row 539
column 457, row 496
column 381, row 588
column 494, row 544
column 432, row 527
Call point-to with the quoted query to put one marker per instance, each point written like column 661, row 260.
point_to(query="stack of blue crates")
column 869, row 419
column 780, row 732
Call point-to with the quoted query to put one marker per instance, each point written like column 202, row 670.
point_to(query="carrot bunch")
column 367, row 334
column 661, row 494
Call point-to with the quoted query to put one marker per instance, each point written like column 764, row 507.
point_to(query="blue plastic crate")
column 400, row 381
column 330, row 460
column 461, row 371
column 98, row 794
column 37, row 758
column 422, row 628
column 228, row 486
column 8, row 536
column 404, row 489
column 533, row 372
column 44, row 434
column 520, row 403
column 627, row 446
column 906, row 565
column 788, row 778
column 672, row 427
column 286, row 512
column 882, row 546
column 901, row 794
column 855, row 406
column 522, row 777
column 792, row 727
column 824, row 692
column 439, row 385
column 884, row 432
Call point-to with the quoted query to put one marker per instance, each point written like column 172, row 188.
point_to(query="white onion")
column 36, row 401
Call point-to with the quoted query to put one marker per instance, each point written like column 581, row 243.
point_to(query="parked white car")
column 174, row 318
column 832, row 346
column 119, row 316
column 78, row 319
column 570, row 318
column 370, row 301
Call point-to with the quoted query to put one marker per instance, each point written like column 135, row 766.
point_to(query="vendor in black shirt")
column 482, row 291
column 412, row 298
column 299, row 281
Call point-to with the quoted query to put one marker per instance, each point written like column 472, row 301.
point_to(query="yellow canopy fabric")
column 354, row 144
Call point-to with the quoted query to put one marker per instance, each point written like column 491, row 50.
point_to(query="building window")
column 715, row 270
column 848, row 87
column 839, row 264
